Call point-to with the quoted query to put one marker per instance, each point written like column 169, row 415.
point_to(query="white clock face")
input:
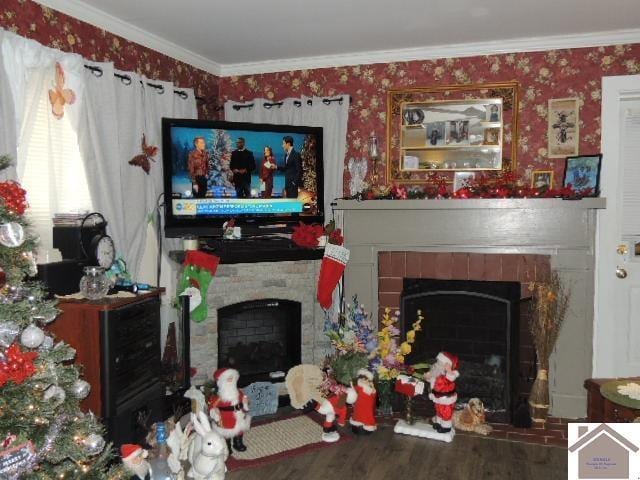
column 105, row 252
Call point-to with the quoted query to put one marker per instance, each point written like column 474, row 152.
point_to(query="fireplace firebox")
column 259, row 338
column 479, row 322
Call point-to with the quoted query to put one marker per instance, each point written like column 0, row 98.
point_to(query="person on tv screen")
column 292, row 168
column 266, row 172
column 242, row 164
column 198, row 166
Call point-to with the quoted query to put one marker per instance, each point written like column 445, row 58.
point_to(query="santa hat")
column 223, row 374
column 363, row 372
column 130, row 450
column 450, row 358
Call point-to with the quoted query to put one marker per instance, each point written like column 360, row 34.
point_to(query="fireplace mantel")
column 562, row 229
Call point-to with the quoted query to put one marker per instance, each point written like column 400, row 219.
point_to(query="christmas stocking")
column 333, row 263
column 199, row 269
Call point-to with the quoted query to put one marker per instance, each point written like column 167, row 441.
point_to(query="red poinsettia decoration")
column 145, row 158
column 60, row 96
column 307, row 236
column 13, row 196
column 18, row 365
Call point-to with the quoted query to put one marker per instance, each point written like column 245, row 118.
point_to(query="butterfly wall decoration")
column 144, row 159
column 60, row 96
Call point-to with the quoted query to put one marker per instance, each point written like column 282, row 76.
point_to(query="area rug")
column 277, row 439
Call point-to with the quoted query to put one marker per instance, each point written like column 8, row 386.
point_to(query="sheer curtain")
column 8, row 135
column 308, row 111
column 48, row 161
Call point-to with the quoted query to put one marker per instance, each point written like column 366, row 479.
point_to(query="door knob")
column 622, row 249
column 621, row 272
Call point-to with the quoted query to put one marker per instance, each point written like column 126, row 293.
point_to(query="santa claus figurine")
column 363, row 398
column 334, row 409
column 441, row 378
column 230, row 408
column 133, row 457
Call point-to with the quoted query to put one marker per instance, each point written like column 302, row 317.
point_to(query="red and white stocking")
column 333, row 263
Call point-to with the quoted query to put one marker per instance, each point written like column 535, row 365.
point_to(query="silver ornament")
column 11, row 234
column 8, row 333
column 32, row 337
column 81, row 389
column 93, row 444
column 47, row 344
column 55, row 393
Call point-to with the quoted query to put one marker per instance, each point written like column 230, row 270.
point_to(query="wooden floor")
column 385, row 455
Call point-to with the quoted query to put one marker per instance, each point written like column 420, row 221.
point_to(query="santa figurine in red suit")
column 441, row 378
column 134, row 460
column 334, row 409
column 363, row 398
column 229, row 408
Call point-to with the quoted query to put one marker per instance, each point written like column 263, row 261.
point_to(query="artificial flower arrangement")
column 500, row 185
column 309, row 235
column 358, row 346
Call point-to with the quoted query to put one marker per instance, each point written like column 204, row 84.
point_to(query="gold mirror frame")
column 396, row 98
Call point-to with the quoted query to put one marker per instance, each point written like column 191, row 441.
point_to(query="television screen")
column 261, row 175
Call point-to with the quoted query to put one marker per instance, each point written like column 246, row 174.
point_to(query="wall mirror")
column 451, row 128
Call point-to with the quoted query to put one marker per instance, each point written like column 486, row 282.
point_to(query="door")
column 617, row 303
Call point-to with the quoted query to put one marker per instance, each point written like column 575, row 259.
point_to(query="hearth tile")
column 561, row 442
column 509, row 268
column 427, row 265
column 413, row 265
column 398, row 261
column 391, row 300
column 460, row 268
column 384, row 264
column 476, row 266
column 390, row 285
column 543, row 268
column 526, row 269
column 557, row 420
column 492, row 268
column 444, row 266
column 525, row 437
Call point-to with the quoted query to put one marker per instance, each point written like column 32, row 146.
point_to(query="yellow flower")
column 405, row 348
column 411, row 336
column 393, row 373
column 399, row 358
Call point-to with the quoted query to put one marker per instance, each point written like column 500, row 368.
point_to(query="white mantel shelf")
column 564, row 230
column 469, row 204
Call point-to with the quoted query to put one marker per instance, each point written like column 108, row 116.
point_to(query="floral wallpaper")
column 57, row 30
column 542, row 76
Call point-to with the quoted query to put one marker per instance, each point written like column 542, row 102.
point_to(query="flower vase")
column 385, row 398
column 539, row 396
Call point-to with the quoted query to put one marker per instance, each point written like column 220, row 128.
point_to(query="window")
column 54, row 175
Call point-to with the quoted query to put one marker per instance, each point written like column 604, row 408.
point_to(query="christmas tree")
column 43, row 432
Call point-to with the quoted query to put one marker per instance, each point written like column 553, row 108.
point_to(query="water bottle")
column 159, row 467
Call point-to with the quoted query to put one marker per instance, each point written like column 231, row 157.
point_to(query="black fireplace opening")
column 479, row 322
column 260, row 338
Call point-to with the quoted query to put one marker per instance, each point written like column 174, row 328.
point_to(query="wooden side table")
column 600, row 409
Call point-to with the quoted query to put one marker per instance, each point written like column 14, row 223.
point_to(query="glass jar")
column 94, row 285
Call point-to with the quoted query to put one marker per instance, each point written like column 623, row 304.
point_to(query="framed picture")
column 542, row 178
column 582, row 172
column 462, row 179
column 491, row 136
column 563, row 129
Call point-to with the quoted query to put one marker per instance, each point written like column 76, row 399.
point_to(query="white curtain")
column 8, row 135
column 306, row 111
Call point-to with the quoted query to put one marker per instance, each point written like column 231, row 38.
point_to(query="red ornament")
column 13, row 196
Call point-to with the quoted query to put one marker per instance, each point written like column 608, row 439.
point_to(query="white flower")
column 631, row 390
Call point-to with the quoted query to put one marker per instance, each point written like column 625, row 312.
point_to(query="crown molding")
column 101, row 19
column 531, row 44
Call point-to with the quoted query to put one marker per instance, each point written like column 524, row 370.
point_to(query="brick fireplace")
column 518, row 240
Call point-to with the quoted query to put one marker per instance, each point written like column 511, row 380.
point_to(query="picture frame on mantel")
column 582, row 172
column 447, row 128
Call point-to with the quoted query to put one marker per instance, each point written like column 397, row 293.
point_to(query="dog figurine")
column 472, row 418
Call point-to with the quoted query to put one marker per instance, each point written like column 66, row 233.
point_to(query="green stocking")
column 200, row 278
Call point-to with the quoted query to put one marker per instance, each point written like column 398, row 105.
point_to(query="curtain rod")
column 126, row 79
column 297, row 103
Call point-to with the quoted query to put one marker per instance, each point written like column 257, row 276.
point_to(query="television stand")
column 254, row 250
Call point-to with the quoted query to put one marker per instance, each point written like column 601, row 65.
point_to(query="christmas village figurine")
column 363, row 397
column 229, row 408
column 442, row 391
column 134, row 460
column 208, row 451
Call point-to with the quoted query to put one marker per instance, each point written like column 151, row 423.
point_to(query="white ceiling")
column 254, row 36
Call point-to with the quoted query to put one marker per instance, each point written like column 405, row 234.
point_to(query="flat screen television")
column 218, row 170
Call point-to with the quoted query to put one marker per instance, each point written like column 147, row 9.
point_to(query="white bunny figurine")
column 207, row 452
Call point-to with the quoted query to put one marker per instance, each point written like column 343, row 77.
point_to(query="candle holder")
column 374, row 156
